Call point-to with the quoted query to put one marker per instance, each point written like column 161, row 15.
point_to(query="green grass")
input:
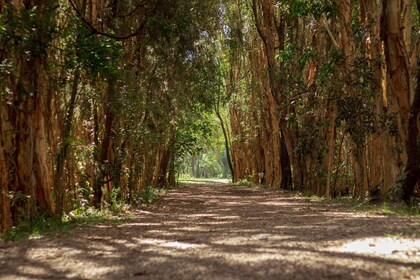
column 51, row 227
column 192, row 180
column 247, row 183
column 385, row 208
column 149, row 195
column 37, row 228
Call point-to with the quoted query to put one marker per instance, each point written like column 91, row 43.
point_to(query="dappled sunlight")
column 384, row 246
column 191, row 228
column 283, row 203
column 143, row 224
column 190, row 236
column 181, row 245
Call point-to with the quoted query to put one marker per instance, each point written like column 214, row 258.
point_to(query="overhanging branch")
column 94, row 30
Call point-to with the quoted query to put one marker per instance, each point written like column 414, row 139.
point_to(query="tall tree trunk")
column 411, row 174
column 404, row 186
column 226, row 138
column 103, row 171
column 397, row 49
column 271, row 31
column 64, row 147
column 396, row 34
column 23, row 140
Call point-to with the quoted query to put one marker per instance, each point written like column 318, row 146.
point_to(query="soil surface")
column 217, row 231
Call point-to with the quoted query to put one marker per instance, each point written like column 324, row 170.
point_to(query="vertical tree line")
column 323, row 95
column 94, row 97
column 100, row 99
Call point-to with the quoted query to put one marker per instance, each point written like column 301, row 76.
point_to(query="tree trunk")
column 24, row 170
column 404, row 186
column 397, row 50
column 226, row 138
column 64, row 147
column 103, row 171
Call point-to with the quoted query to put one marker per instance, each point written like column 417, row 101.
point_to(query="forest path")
column 226, row 232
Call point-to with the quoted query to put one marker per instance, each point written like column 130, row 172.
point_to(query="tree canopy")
column 101, row 99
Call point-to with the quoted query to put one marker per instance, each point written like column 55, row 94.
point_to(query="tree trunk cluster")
column 327, row 97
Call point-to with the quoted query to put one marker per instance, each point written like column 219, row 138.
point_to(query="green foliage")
column 247, row 183
column 287, row 54
column 203, row 143
column 188, row 179
column 99, row 55
column 40, row 226
column 24, row 32
column 188, row 138
column 306, row 56
column 385, row 208
column 298, row 8
column 149, row 195
column 50, row 227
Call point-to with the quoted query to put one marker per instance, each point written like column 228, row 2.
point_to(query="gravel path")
column 226, row 232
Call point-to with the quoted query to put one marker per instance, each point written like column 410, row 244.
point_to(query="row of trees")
column 208, row 157
column 97, row 96
column 100, row 99
column 324, row 95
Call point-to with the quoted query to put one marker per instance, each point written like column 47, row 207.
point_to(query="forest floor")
column 218, row 231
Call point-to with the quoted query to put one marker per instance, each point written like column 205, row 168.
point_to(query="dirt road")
column 226, row 232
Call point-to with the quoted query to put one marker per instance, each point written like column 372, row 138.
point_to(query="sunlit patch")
column 102, row 226
column 214, row 223
column 227, row 218
column 140, row 224
column 145, row 212
column 182, row 245
column 150, row 241
column 191, row 229
column 35, row 271
column 233, row 203
column 171, row 244
column 392, row 247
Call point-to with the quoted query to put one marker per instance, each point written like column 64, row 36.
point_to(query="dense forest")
column 101, row 99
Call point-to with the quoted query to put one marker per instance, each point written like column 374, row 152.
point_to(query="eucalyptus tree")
column 102, row 124
column 27, row 28
column 335, row 93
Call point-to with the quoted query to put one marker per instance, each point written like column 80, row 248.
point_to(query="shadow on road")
column 226, row 232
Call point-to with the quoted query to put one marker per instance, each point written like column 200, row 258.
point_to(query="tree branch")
column 141, row 5
column 325, row 23
column 98, row 32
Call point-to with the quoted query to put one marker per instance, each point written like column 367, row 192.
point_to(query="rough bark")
column 405, row 185
column 64, row 147
column 24, row 169
column 397, row 49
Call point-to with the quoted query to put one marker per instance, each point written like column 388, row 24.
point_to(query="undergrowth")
column 148, row 196
column 51, row 227
column 384, row 207
column 116, row 212
column 189, row 179
column 247, row 183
